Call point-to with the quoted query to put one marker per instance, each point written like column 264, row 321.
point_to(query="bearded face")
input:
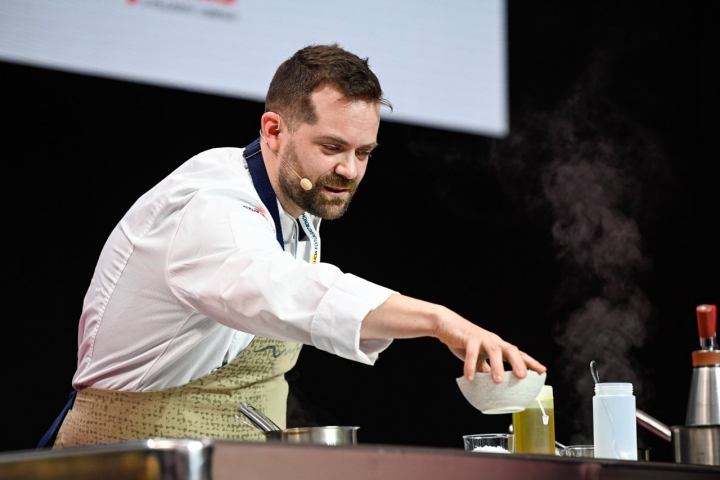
column 319, row 200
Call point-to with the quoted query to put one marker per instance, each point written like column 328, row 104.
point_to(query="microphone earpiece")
column 305, row 183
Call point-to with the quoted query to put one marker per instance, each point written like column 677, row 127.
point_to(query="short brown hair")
column 312, row 67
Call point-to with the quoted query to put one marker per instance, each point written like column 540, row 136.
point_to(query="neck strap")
column 256, row 165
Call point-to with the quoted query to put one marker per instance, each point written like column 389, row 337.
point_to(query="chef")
column 207, row 288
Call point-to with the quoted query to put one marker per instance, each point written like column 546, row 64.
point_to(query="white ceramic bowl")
column 512, row 395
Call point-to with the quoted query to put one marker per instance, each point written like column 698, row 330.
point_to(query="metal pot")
column 698, row 444
column 330, row 435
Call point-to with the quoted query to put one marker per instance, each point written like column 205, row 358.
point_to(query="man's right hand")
column 405, row 317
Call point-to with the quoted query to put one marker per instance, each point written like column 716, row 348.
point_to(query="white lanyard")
column 310, row 231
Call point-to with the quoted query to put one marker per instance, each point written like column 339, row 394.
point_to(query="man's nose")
column 347, row 167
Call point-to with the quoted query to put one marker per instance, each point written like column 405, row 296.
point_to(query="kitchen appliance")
column 704, row 399
column 331, row 435
column 698, row 441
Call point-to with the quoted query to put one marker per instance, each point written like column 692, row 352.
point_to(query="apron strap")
column 49, row 438
column 256, row 165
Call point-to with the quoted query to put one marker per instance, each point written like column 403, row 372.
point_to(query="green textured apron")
column 203, row 408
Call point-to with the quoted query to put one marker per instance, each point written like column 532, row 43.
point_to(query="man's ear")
column 270, row 128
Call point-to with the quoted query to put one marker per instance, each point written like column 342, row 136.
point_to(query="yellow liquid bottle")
column 534, row 427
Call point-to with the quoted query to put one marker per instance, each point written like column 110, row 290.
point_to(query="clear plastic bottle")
column 534, row 427
column 614, row 423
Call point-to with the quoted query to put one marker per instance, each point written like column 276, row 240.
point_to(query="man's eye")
column 331, row 148
column 365, row 153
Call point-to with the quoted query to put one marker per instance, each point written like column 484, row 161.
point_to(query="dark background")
column 620, row 96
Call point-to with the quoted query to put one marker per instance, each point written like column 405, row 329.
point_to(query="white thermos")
column 614, row 423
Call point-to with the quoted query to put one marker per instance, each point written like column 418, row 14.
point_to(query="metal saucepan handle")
column 654, row 425
column 258, row 419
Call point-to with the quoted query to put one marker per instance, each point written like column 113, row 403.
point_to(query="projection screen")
column 441, row 64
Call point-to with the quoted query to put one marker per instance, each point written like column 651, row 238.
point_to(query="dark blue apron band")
column 260, row 179
column 49, row 438
column 262, row 184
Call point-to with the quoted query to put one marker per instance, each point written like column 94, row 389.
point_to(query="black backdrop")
column 467, row 221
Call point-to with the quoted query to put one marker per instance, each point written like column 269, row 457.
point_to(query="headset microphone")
column 305, row 183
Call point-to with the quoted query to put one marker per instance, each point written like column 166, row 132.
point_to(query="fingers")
column 520, row 362
column 490, row 355
column 516, row 360
column 484, row 367
column 533, row 364
column 482, row 350
column 495, row 357
column 472, row 352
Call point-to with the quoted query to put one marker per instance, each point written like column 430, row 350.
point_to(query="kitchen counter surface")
column 203, row 459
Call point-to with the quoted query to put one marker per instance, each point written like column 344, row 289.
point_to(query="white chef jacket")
column 194, row 271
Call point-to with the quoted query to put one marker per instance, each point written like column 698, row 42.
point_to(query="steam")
column 582, row 165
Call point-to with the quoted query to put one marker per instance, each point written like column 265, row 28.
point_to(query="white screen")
column 441, row 64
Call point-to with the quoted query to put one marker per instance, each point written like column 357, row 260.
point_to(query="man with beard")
column 211, row 282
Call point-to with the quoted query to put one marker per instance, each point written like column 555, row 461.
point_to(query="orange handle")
column 707, row 320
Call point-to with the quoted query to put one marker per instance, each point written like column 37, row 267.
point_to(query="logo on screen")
column 221, row 2
column 208, row 9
